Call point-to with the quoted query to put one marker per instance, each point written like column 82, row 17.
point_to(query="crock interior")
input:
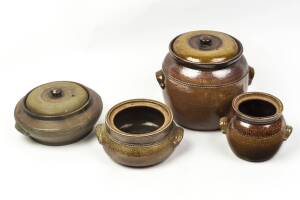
column 257, row 108
column 139, row 120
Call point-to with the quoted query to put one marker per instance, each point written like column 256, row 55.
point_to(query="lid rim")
column 217, row 65
column 60, row 116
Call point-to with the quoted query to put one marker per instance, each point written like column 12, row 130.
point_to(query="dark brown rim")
column 217, row 65
column 39, row 116
column 258, row 96
column 162, row 108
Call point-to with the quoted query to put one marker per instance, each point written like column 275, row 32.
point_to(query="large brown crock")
column 201, row 74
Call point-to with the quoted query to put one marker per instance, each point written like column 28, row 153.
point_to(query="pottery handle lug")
column 288, row 131
column 223, row 124
column 100, row 128
column 19, row 128
column 160, row 78
column 178, row 135
column 251, row 74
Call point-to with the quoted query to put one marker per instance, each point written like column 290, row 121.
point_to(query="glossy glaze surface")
column 198, row 98
column 139, row 133
column 61, row 129
column 199, row 94
column 255, row 133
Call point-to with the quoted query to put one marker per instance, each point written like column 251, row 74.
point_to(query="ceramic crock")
column 58, row 113
column 139, row 133
column 255, row 128
column 201, row 74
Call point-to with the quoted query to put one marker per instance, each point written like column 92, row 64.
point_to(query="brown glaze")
column 49, row 119
column 255, row 129
column 139, row 133
column 200, row 93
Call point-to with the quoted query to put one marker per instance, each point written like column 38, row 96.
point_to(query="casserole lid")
column 206, row 48
column 56, row 98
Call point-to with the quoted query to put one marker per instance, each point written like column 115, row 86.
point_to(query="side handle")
column 224, row 124
column 287, row 132
column 21, row 130
column 178, row 131
column 100, row 128
column 160, row 78
column 251, row 74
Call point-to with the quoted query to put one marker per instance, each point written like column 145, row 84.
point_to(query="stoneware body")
column 200, row 89
column 58, row 113
column 139, row 133
column 255, row 128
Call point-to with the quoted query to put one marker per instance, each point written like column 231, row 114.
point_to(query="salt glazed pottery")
column 58, row 113
column 139, row 133
column 255, row 128
column 201, row 74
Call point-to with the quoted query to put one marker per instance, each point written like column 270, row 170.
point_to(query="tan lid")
column 56, row 98
column 205, row 47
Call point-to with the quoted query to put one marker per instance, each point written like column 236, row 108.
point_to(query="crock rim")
column 167, row 114
column 258, row 96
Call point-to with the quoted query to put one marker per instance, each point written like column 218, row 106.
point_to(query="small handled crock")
column 255, row 128
column 139, row 133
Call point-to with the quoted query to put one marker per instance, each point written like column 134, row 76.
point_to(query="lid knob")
column 205, row 41
column 56, row 92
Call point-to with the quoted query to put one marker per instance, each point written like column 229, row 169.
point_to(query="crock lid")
column 206, row 47
column 56, row 98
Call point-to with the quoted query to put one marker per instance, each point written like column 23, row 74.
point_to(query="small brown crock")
column 58, row 113
column 255, row 128
column 201, row 74
column 139, row 133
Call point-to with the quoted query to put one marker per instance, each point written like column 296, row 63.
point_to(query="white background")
column 115, row 47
